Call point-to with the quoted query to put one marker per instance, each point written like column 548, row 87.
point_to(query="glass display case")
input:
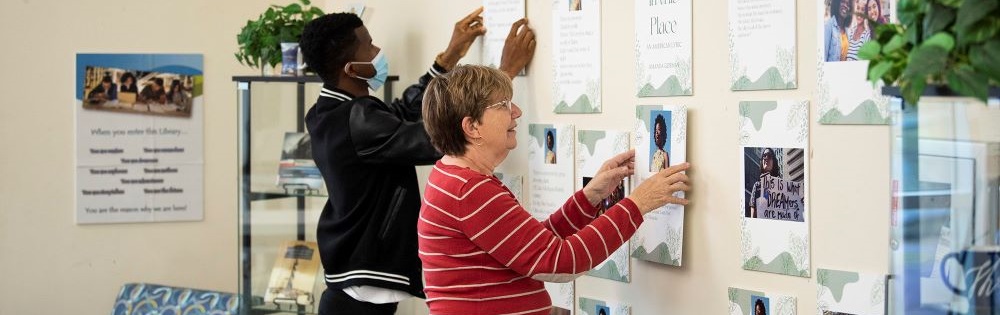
column 945, row 242
column 281, row 195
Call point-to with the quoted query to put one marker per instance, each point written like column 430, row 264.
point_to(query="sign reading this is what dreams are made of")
column 139, row 138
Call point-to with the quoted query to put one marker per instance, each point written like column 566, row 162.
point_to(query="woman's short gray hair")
column 465, row 91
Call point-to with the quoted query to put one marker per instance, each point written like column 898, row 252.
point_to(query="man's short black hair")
column 328, row 42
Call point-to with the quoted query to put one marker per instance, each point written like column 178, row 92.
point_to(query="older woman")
column 482, row 253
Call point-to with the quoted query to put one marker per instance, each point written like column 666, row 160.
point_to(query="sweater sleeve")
column 575, row 214
column 498, row 225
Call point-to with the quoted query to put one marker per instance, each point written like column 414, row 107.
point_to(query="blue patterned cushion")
column 154, row 299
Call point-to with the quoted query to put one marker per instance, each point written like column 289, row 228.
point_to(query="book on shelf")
column 294, row 274
column 297, row 170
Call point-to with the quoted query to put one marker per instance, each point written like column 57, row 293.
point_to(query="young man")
column 366, row 150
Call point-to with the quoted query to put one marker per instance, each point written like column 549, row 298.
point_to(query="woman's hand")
column 658, row 190
column 609, row 176
column 466, row 31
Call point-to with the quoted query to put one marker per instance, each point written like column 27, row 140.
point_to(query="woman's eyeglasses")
column 506, row 103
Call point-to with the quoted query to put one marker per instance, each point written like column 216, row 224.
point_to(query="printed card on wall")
column 590, row 306
column 515, row 183
column 576, row 56
column 550, row 182
column 849, row 293
column 498, row 16
column 660, row 141
column 747, row 302
column 844, row 95
column 663, row 48
column 593, row 148
column 762, row 45
column 774, row 140
column 139, row 138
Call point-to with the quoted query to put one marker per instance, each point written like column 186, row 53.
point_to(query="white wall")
column 83, row 266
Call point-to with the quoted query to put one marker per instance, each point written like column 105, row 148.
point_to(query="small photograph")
column 659, row 140
column 575, row 5
column 773, row 183
column 550, row 145
column 617, row 195
column 602, row 310
column 145, row 92
column 760, row 305
column 297, row 171
column 849, row 24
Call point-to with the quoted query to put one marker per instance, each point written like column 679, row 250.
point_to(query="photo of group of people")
column 659, row 146
column 849, row 24
column 773, row 187
column 122, row 90
column 617, row 195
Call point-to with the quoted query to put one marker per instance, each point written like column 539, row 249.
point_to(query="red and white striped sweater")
column 482, row 253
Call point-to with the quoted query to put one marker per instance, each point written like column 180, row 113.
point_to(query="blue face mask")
column 381, row 66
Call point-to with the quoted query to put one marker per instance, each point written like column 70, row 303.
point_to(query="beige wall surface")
column 44, row 255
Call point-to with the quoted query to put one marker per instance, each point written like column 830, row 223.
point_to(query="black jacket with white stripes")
column 366, row 150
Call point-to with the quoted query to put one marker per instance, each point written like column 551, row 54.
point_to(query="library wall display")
column 550, row 183
column 593, row 148
column 576, row 56
column 774, row 139
column 589, row 306
column 663, row 48
column 294, row 274
column 139, row 138
column 762, row 45
column 498, row 16
column 660, row 141
column 747, row 302
column 849, row 293
column 844, row 95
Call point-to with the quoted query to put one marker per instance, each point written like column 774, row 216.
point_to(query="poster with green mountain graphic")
column 774, row 211
column 663, row 48
column 593, row 148
column 660, row 141
column 762, row 45
column 576, row 56
column 848, row 293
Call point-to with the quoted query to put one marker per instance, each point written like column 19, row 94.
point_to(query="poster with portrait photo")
column 774, row 210
column 549, row 186
column 748, row 302
column 576, row 56
column 762, row 52
column 139, row 138
column 661, row 238
column 844, row 95
column 849, row 292
column 551, row 146
column 593, row 306
column 593, row 148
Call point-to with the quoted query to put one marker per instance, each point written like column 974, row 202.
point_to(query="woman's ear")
column 470, row 128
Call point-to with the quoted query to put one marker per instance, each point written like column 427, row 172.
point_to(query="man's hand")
column 518, row 49
column 462, row 37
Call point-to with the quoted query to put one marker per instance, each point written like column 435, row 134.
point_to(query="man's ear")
column 470, row 128
column 362, row 70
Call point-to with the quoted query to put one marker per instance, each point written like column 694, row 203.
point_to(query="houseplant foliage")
column 946, row 42
column 260, row 40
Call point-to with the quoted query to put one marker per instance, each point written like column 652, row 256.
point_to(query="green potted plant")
column 260, row 40
column 955, row 43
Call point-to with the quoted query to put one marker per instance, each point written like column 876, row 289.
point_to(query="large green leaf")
column 951, row 3
column 894, row 44
column 966, row 81
column 979, row 32
column 878, row 70
column 972, row 11
column 986, row 58
column 869, row 51
column 909, row 11
column 941, row 39
column 926, row 60
column 292, row 8
column 937, row 19
column 912, row 89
